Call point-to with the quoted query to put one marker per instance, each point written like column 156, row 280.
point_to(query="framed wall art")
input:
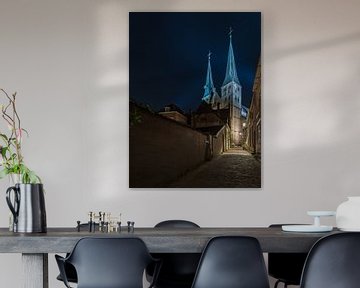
column 195, row 100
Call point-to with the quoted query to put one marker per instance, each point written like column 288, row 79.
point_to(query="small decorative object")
column 130, row 226
column 25, row 197
column 348, row 214
column 316, row 227
column 78, row 225
column 105, row 222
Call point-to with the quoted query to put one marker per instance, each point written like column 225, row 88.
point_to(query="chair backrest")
column 333, row 262
column 176, row 224
column 178, row 269
column 232, row 262
column 110, row 262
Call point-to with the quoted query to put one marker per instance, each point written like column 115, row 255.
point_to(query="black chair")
column 178, row 269
column 286, row 267
column 232, row 262
column 108, row 263
column 176, row 224
column 333, row 262
column 69, row 269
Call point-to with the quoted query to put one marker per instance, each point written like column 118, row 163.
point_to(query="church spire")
column 209, row 85
column 231, row 74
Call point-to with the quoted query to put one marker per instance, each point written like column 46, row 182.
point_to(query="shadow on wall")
column 308, row 47
column 313, row 114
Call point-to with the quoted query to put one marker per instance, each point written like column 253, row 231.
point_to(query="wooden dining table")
column 35, row 247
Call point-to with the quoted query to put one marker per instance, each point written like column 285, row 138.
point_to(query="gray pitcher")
column 28, row 207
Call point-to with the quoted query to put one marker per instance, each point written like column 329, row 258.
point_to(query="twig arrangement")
column 12, row 160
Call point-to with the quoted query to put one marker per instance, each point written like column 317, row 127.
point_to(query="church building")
column 227, row 104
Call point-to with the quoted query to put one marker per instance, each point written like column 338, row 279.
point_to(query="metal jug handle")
column 13, row 208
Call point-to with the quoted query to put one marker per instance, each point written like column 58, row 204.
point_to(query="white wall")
column 68, row 61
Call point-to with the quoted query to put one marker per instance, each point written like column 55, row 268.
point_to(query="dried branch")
column 11, row 156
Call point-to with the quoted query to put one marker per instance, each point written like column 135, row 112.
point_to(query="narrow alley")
column 235, row 168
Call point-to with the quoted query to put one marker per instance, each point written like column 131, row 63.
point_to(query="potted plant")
column 11, row 159
column 26, row 198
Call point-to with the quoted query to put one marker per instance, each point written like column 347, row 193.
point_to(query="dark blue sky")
column 168, row 55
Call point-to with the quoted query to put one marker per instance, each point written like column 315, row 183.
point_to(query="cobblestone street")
column 236, row 168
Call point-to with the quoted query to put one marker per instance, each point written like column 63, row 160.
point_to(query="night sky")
column 168, row 55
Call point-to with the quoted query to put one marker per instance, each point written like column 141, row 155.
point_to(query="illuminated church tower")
column 229, row 103
column 231, row 96
column 210, row 95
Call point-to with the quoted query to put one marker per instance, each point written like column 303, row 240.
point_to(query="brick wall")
column 218, row 146
column 161, row 150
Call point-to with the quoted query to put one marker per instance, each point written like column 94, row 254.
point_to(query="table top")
column 158, row 240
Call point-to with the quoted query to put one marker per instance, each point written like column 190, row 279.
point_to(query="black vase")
column 28, row 208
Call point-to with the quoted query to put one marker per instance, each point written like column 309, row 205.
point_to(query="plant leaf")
column 4, row 137
column 3, row 151
column 26, row 132
column 4, row 173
